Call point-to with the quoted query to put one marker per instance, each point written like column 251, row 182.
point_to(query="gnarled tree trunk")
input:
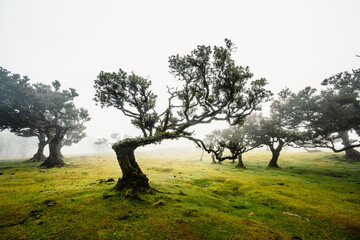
column 133, row 178
column 275, row 154
column 54, row 158
column 240, row 162
column 351, row 155
column 274, row 159
column 39, row 155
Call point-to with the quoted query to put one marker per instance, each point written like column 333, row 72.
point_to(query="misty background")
column 290, row 43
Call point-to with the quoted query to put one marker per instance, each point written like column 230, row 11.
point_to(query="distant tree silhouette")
column 330, row 114
column 39, row 106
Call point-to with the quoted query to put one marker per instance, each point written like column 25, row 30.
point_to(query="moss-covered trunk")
column 39, row 155
column 240, row 162
column 133, row 179
column 351, row 155
column 54, row 158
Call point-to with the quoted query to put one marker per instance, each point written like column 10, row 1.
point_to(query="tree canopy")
column 213, row 88
column 327, row 116
column 39, row 107
column 278, row 130
column 235, row 139
column 12, row 86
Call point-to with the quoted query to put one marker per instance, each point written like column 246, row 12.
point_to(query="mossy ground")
column 312, row 196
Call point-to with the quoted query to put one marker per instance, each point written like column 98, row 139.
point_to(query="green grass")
column 312, row 196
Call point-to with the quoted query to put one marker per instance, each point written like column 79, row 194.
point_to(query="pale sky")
column 290, row 43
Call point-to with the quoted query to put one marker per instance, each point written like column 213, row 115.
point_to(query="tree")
column 39, row 106
column 73, row 135
column 213, row 88
column 343, row 93
column 65, row 117
column 328, row 116
column 213, row 141
column 278, row 130
column 234, row 139
column 14, row 111
column 13, row 88
column 43, row 137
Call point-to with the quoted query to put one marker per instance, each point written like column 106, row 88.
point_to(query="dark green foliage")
column 130, row 94
column 12, row 86
column 73, row 135
column 66, row 121
column 39, row 108
column 234, row 139
column 278, row 130
column 340, row 103
column 327, row 116
column 213, row 88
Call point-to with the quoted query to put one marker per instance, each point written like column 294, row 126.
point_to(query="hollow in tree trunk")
column 240, row 162
column 351, row 155
column 133, row 179
column 39, row 155
column 54, row 158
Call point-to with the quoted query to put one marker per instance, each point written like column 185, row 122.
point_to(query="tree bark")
column 133, row 179
column 351, row 155
column 274, row 159
column 240, row 162
column 54, row 158
column 275, row 153
column 39, row 155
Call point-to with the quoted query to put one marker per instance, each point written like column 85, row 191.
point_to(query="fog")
column 290, row 43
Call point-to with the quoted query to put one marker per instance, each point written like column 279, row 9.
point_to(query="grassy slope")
column 313, row 196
